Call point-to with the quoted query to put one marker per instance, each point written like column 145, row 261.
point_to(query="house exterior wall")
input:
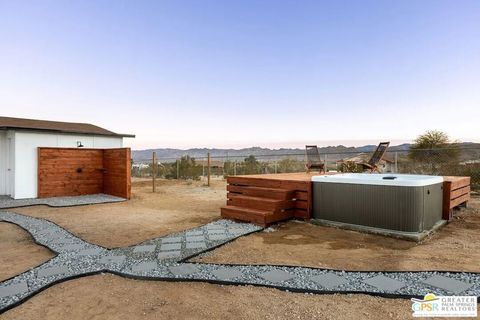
column 3, row 163
column 7, row 158
column 26, row 157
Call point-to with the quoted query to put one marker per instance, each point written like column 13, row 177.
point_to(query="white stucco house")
column 20, row 138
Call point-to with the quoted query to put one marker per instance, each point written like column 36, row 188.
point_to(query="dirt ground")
column 455, row 247
column 178, row 206
column 18, row 252
column 175, row 206
column 111, row 297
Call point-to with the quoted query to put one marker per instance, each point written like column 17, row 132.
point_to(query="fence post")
column 235, row 168
column 326, row 165
column 396, row 162
column 178, row 170
column 208, row 169
column 275, row 163
column 154, row 170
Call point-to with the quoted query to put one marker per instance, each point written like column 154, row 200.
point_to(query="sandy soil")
column 175, row 206
column 112, row 297
column 455, row 247
column 18, row 252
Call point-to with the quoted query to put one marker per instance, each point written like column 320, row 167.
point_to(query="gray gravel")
column 7, row 202
column 162, row 258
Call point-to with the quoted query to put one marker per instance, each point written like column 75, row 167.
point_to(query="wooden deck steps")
column 264, row 200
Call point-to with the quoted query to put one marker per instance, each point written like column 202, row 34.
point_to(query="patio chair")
column 372, row 164
column 312, row 158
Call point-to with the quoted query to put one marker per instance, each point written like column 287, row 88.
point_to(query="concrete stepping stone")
column 144, row 266
column 276, row 276
column 90, row 252
column 62, row 241
column 214, row 227
column 52, row 271
column 72, row 247
column 218, row 237
column 169, row 254
column 145, row 248
column 13, row 289
column 112, row 259
column 172, row 240
column 227, row 274
column 448, row 284
column 183, row 270
column 236, row 231
column 216, row 231
column 195, row 238
column 170, row 246
column 194, row 233
column 328, row 280
column 384, row 283
column 195, row 245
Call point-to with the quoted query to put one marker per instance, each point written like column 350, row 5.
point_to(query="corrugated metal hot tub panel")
column 398, row 202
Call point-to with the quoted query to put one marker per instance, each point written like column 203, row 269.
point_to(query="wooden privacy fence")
column 80, row 171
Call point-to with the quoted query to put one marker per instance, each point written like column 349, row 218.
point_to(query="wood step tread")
column 247, row 210
column 252, row 198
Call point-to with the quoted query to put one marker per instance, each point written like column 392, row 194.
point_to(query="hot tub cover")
column 385, row 179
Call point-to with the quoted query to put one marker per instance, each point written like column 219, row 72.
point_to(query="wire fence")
column 446, row 161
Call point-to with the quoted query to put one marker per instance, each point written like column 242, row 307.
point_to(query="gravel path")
column 163, row 259
column 7, row 202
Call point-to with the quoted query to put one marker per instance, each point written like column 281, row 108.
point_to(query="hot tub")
column 393, row 204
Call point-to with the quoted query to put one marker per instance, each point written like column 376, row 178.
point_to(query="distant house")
column 21, row 138
column 213, row 163
column 385, row 165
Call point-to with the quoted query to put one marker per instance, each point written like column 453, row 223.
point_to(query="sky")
column 224, row 73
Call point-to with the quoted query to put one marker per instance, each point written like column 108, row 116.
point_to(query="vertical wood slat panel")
column 117, row 177
column 101, row 171
column 69, row 172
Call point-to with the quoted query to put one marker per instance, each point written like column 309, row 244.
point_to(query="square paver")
column 169, row 254
column 13, row 289
column 194, row 233
column 448, row 284
column 195, row 238
column 72, row 247
column 144, row 266
column 328, row 280
column 214, row 227
column 237, row 231
column 112, row 259
column 62, row 241
column 385, row 283
column 144, row 249
column 227, row 274
column 172, row 240
column 183, row 270
column 196, row 245
column 218, row 237
column 52, row 271
column 216, row 231
column 170, row 246
column 276, row 276
column 90, row 252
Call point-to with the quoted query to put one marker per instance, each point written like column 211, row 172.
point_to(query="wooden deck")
column 268, row 198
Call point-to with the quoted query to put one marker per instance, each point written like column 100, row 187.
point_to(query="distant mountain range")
column 170, row 154
column 470, row 151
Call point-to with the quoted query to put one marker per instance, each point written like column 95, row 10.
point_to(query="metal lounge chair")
column 312, row 159
column 372, row 164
